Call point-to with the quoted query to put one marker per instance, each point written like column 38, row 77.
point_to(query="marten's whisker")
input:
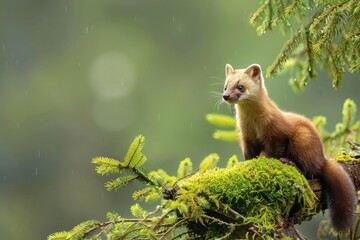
column 216, row 94
column 218, row 103
column 217, row 78
column 213, row 84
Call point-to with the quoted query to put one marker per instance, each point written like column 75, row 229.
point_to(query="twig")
column 228, row 234
column 180, row 235
column 189, row 175
column 123, row 236
column 174, row 227
column 162, row 218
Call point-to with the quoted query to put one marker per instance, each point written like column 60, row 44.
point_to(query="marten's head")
column 243, row 85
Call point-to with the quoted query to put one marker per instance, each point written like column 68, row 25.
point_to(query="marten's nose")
column 226, row 96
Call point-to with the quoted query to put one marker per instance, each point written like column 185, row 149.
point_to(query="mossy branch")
column 255, row 198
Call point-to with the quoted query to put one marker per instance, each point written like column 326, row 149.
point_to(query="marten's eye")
column 240, row 88
column 225, row 88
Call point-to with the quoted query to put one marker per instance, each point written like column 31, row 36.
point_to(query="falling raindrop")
column 79, row 64
column 18, row 124
column 191, row 125
column 173, row 19
column 39, row 154
column 4, row 179
column 36, row 171
column 87, row 30
column 179, row 28
column 204, row 67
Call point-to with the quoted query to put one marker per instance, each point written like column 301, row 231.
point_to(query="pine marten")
column 267, row 130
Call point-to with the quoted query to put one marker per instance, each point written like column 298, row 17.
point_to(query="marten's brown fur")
column 265, row 129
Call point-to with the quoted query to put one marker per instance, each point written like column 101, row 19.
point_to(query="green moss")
column 343, row 157
column 262, row 190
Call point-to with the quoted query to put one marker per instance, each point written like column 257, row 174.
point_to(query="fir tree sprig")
column 346, row 131
column 185, row 168
column 223, row 121
column 284, row 54
column 134, row 156
column 106, row 166
column 308, row 67
column 335, row 70
column 324, row 15
column 255, row 18
column 132, row 165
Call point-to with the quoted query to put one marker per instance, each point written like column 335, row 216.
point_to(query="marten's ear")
column 254, row 71
column 228, row 69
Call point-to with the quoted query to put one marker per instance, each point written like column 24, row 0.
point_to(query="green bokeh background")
column 80, row 79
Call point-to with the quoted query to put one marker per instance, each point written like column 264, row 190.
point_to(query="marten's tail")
column 341, row 196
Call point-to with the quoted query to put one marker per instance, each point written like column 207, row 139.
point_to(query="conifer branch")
column 106, row 166
column 331, row 30
column 270, row 16
column 324, row 15
column 354, row 66
column 185, row 168
column 119, row 182
column 259, row 13
column 309, row 71
column 328, row 24
column 291, row 8
column 134, row 157
column 335, row 72
column 281, row 59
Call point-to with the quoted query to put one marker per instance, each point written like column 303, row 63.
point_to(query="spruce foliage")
column 132, row 166
column 324, row 34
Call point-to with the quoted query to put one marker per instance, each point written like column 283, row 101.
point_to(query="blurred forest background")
column 80, row 79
